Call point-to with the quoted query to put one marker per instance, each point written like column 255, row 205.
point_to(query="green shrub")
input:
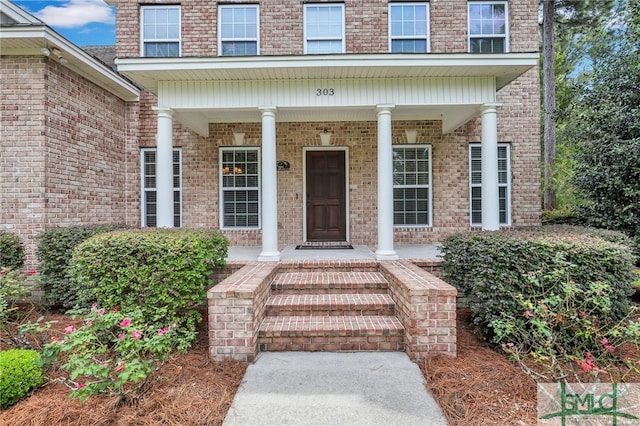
column 491, row 269
column 20, row 371
column 12, row 289
column 11, row 251
column 54, row 250
column 162, row 272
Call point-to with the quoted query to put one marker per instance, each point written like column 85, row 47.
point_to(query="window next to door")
column 240, row 188
column 149, row 192
column 504, row 183
column 412, row 185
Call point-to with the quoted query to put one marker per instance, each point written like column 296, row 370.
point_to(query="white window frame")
column 305, row 19
column 504, row 181
column 257, row 188
column 177, row 187
column 222, row 40
column 429, row 186
column 426, row 37
column 143, row 40
column 480, row 36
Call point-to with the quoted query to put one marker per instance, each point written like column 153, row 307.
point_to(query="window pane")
column 149, row 157
column 411, row 185
column 240, row 179
column 239, row 48
column 319, row 47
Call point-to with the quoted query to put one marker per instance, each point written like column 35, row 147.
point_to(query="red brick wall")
column 281, row 26
column 62, row 152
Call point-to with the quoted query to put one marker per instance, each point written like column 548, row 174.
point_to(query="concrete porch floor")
column 239, row 254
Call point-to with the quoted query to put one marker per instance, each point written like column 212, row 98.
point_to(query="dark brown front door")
column 326, row 202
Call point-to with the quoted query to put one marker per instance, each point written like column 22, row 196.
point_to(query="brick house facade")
column 279, row 122
column 369, row 85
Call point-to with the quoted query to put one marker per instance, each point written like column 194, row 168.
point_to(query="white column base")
column 273, row 256
column 386, row 255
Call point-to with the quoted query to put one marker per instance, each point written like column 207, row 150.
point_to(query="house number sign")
column 328, row 91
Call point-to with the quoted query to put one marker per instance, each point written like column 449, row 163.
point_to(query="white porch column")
column 164, row 168
column 489, row 157
column 269, row 187
column 385, row 249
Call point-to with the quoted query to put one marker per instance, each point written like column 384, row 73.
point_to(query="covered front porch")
column 371, row 93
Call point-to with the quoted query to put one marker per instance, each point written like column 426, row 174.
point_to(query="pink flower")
column 114, row 310
column 55, row 340
column 510, row 345
column 125, row 322
column 582, row 314
column 94, row 307
column 136, row 335
column 89, row 323
column 79, row 386
column 100, row 312
column 588, row 364
column 120, row 336
column 69, row 329
column 120, row 367
column 608, row 346
column 162, row 331
column 528, row 314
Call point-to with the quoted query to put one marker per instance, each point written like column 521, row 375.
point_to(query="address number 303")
column 325, row 92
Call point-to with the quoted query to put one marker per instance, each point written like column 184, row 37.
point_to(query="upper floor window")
column 409, row 27
column 160, row 30
column 504, row 183
column 488, row 24
column 412, row 185
column 238, row 30
column 324, row 28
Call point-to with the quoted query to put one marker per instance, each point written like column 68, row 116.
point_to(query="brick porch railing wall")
column 426, row 307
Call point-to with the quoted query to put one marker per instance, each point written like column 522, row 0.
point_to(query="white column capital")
column 268, row 110
column 489, row 108
column 163, row 112
column 384, row 108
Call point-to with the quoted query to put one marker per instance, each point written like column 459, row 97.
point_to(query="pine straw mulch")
column 479, row 387
column 192, row 390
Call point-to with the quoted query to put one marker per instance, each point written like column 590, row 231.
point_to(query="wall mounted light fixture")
column 45, row 51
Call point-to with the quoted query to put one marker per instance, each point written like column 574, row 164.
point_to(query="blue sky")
column 84, row 22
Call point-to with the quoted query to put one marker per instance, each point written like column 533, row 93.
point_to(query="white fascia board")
column 79, row 60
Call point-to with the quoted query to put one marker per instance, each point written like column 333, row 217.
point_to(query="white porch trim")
column 269, row 187
column 385, row 249
column 164, row 168
column 489, row 158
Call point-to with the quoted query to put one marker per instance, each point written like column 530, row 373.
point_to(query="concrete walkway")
column 322, row 388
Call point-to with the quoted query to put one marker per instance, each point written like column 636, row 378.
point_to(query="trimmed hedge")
column 162, row 272
column 20, row 371
column 11, row 251
column 491, row 268
column 54, row 250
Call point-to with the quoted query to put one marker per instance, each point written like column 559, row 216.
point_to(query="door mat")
column 325, row 245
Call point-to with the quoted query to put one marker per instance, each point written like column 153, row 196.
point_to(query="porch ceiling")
column 165, row 76
column 504, row 67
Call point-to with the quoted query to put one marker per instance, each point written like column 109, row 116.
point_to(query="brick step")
column 330, row 304
column 331, row 333
column 329, row 282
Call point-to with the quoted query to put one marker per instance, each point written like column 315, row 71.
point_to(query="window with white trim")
column 160, row 31
column 504, row 183
column 148, row 159
column 240, row 188
column 412, row 185
column 409, row 27
column 238, row 29
column 488, row 26
column 324, row 28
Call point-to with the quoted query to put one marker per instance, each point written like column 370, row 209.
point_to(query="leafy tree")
column 579, row 15
column 607, row 173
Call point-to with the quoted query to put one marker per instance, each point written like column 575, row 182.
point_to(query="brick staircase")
column 348, row 305
column 330, row 311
